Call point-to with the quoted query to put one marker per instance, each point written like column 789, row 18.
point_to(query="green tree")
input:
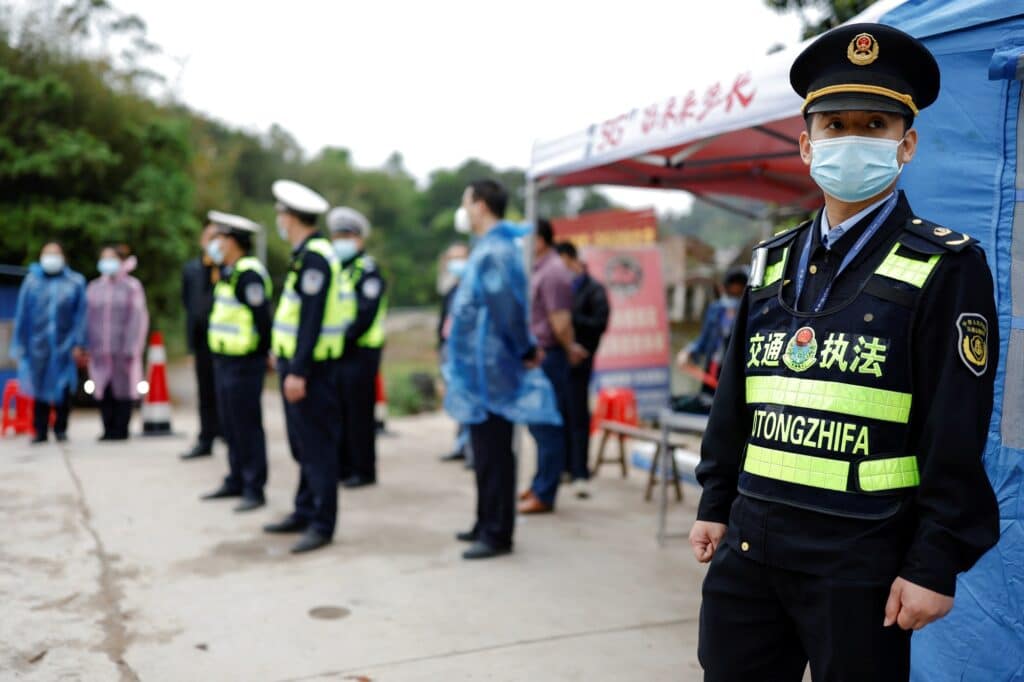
column 819, row 16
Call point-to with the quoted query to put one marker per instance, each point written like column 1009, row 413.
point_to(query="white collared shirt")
column 830, row 235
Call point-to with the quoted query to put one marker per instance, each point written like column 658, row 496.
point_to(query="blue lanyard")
column 869, row 232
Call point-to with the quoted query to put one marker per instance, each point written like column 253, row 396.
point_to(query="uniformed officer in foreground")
column 843, row 483
column 239, row 338
column 307, row 341
column 367, row 306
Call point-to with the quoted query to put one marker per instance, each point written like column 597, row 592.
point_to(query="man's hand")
column 912, row 607
column 577, row 354
column 683, row 359
column 294, row 388
column 536, row 360
column 705, row 536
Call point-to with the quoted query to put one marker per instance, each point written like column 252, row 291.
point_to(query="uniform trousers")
column 209, row 422
column 763, row 623
column 239, row 384
column 313, row 433
column 494, row 464
column 357, row 447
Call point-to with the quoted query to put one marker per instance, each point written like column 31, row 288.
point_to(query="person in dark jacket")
column 589, row 320
column 844, row 488
column 708, row 349
column 198, row 278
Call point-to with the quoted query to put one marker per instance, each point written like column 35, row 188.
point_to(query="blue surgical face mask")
column 457, row 266
column 108, row 266
column 215, row 251
column 52, row 263
column 345, row 248
column 854, row 168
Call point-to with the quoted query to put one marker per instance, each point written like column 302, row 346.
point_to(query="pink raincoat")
column 116, row 322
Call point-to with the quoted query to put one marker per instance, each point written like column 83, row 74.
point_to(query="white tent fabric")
column 739, row 130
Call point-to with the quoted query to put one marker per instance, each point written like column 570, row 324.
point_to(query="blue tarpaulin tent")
column 968, row 174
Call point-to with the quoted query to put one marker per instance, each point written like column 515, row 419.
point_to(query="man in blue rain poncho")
column 491, row 370
column 49, row 338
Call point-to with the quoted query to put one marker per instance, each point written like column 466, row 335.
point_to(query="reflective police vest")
column 286, row 321
column 374, row 336
column 232, row 328
column 829, row 394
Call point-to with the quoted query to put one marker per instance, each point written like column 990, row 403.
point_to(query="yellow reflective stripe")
column 830, row 396
column 887, row 474
column 773, row 273
column 816, row 472
column 914, row 272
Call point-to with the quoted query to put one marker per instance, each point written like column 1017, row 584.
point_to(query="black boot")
column 200, row 449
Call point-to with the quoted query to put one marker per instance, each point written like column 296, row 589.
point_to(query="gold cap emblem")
column 863, row 49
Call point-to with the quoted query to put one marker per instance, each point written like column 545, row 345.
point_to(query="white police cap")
column 345, row 219
column 299, row 198
column 233, row 223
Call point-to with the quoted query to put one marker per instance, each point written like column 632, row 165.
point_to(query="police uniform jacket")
column 935, row 530
column 313, row 279
column 369, row 291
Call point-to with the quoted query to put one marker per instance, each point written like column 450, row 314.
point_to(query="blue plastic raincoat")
column 489, row 336
column 48, row 324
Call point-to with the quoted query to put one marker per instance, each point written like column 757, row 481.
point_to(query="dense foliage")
column 89, row 156
column 824, row 14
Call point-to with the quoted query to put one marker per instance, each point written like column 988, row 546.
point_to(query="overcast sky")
column 445, row 80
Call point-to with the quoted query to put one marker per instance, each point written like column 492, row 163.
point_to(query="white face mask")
column 52, row 263
column 462, row 223
column 345, row 248
column 108, row 266
column 215, row 250
column 853, row 168
column 282, row 230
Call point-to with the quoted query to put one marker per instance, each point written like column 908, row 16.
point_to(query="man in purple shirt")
column 551, row 299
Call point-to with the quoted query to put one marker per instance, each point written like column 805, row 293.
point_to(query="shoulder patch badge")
column 801, row 351
column 371, row 288
column 254, row 294
column 972, row 343
column 312, row 282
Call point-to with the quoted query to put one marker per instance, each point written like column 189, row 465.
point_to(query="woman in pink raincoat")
column 116, row 322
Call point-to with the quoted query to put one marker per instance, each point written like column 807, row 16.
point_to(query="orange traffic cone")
column 380, row 408
column 156, row 410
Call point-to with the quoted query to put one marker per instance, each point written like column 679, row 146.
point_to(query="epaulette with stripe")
column 931, row 238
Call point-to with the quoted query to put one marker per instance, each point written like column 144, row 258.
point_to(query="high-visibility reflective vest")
column 232, row 329
column 374, row 336
column 830, row 394
column 286, row 320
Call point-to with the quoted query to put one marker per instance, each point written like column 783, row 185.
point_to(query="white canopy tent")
column 730, row 136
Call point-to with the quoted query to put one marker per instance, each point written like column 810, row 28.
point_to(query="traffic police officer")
column 366, row 306
column 307, row 341
column 239, row 338
column 843, row 483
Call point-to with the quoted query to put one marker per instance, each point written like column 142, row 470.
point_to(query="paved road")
column 111, row 569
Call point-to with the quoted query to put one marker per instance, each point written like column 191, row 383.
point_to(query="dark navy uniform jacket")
column 953, row 517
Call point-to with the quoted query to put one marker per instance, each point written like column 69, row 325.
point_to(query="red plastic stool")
column 616, row 408
column 614, row 405
column 21, row 419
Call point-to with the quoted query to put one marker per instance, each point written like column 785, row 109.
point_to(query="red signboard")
column 608, row 228
column 634, row 352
